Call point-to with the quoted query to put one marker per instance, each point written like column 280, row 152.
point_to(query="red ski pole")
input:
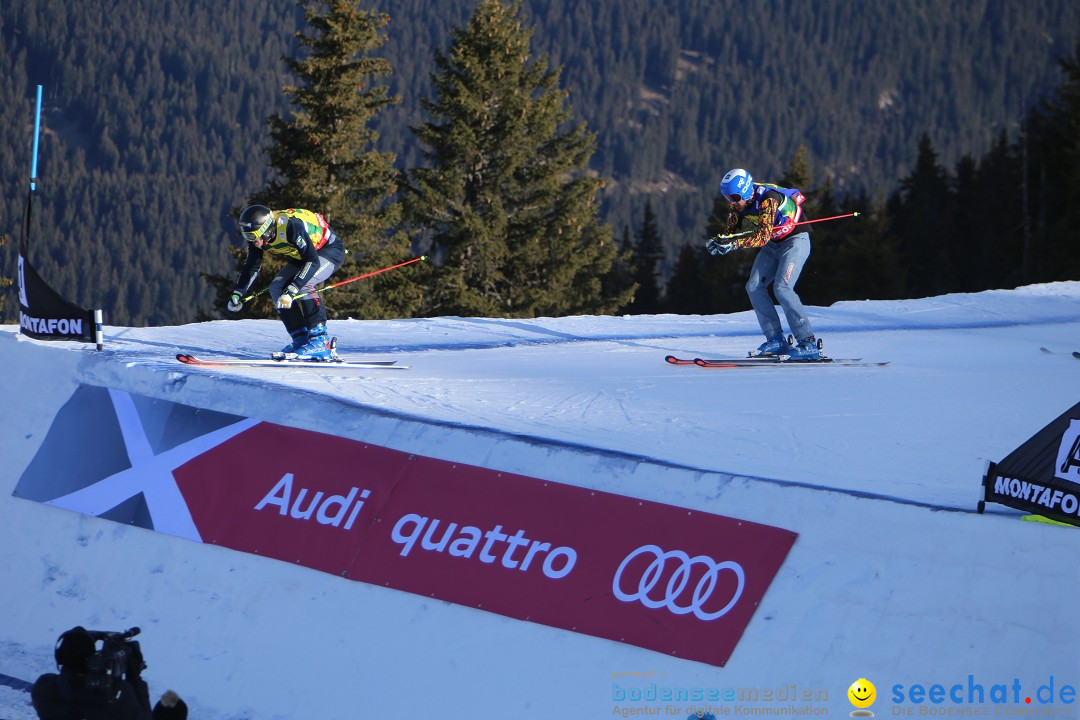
column 834, row 217
column 801, row 222
column 365, row 275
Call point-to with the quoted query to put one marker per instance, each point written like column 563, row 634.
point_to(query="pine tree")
column 506, row 203
column 619, row 280
column 324, row 156
column 866, row 262
column 919, row 213
column 798, row 173
column 970, row 212
column 989, row 211
column 688, row 289
column 4, row 282
column 648, row 251
column 1053, row 179
column 725, row 276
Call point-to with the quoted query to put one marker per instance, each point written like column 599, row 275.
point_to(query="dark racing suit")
column 313, row 253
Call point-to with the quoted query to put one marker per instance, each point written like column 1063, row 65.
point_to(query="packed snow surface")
column 894, row 576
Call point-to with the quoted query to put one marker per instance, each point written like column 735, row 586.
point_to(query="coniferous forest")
column 551, row 156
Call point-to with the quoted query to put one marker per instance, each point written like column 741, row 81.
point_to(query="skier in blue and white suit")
column 772, row 213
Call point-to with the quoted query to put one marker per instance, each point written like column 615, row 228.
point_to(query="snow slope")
column 894, row 577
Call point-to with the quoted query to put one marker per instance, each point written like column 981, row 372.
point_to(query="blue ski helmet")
column 737, row 182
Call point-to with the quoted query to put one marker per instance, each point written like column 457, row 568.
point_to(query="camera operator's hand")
column 170, row 707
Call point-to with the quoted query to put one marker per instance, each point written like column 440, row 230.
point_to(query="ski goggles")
column 260, row 231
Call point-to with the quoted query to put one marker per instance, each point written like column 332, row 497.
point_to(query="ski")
column 189, row 359
column 781, row 362
column 745, row 360
column 769, row 361
column 742, row 361
column 1048, row 351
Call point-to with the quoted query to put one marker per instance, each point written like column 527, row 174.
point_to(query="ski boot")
column 299, row 340
column 319, row 347
column 774, row 345
column 808, row 349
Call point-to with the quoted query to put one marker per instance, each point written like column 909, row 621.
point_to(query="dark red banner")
column 676, row 581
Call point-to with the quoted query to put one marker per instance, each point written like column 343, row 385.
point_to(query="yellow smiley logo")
column 862, row 693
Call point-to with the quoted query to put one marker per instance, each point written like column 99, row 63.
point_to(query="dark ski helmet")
column 255, row 221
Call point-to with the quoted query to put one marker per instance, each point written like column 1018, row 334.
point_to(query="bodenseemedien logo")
column 862, row 694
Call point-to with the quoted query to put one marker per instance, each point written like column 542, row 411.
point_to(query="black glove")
column 716, row 246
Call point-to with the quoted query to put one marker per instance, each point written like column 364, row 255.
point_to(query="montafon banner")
column 45, row 315
column 677, row 581
column 1042, row 476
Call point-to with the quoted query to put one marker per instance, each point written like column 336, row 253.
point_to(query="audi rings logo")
column 677, row 583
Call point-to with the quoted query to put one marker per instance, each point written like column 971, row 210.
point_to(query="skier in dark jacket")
column 772, row 213
column 313, row 253
column 67, row 697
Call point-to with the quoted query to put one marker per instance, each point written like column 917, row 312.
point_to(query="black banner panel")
column 1042, row 476
column 45, row 315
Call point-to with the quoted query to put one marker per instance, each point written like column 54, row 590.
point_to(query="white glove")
column 235, row 303
column 284, row 302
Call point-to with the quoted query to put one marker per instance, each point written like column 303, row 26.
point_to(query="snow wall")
column 906, row 596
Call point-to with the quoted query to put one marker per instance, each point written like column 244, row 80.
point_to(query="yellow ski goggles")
column 260, row 231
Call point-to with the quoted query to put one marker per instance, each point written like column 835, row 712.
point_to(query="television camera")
column 116, row 657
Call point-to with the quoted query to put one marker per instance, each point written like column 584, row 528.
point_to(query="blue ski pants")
column 780, row 263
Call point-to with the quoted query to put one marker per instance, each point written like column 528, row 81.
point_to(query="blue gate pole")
column 37, row 130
